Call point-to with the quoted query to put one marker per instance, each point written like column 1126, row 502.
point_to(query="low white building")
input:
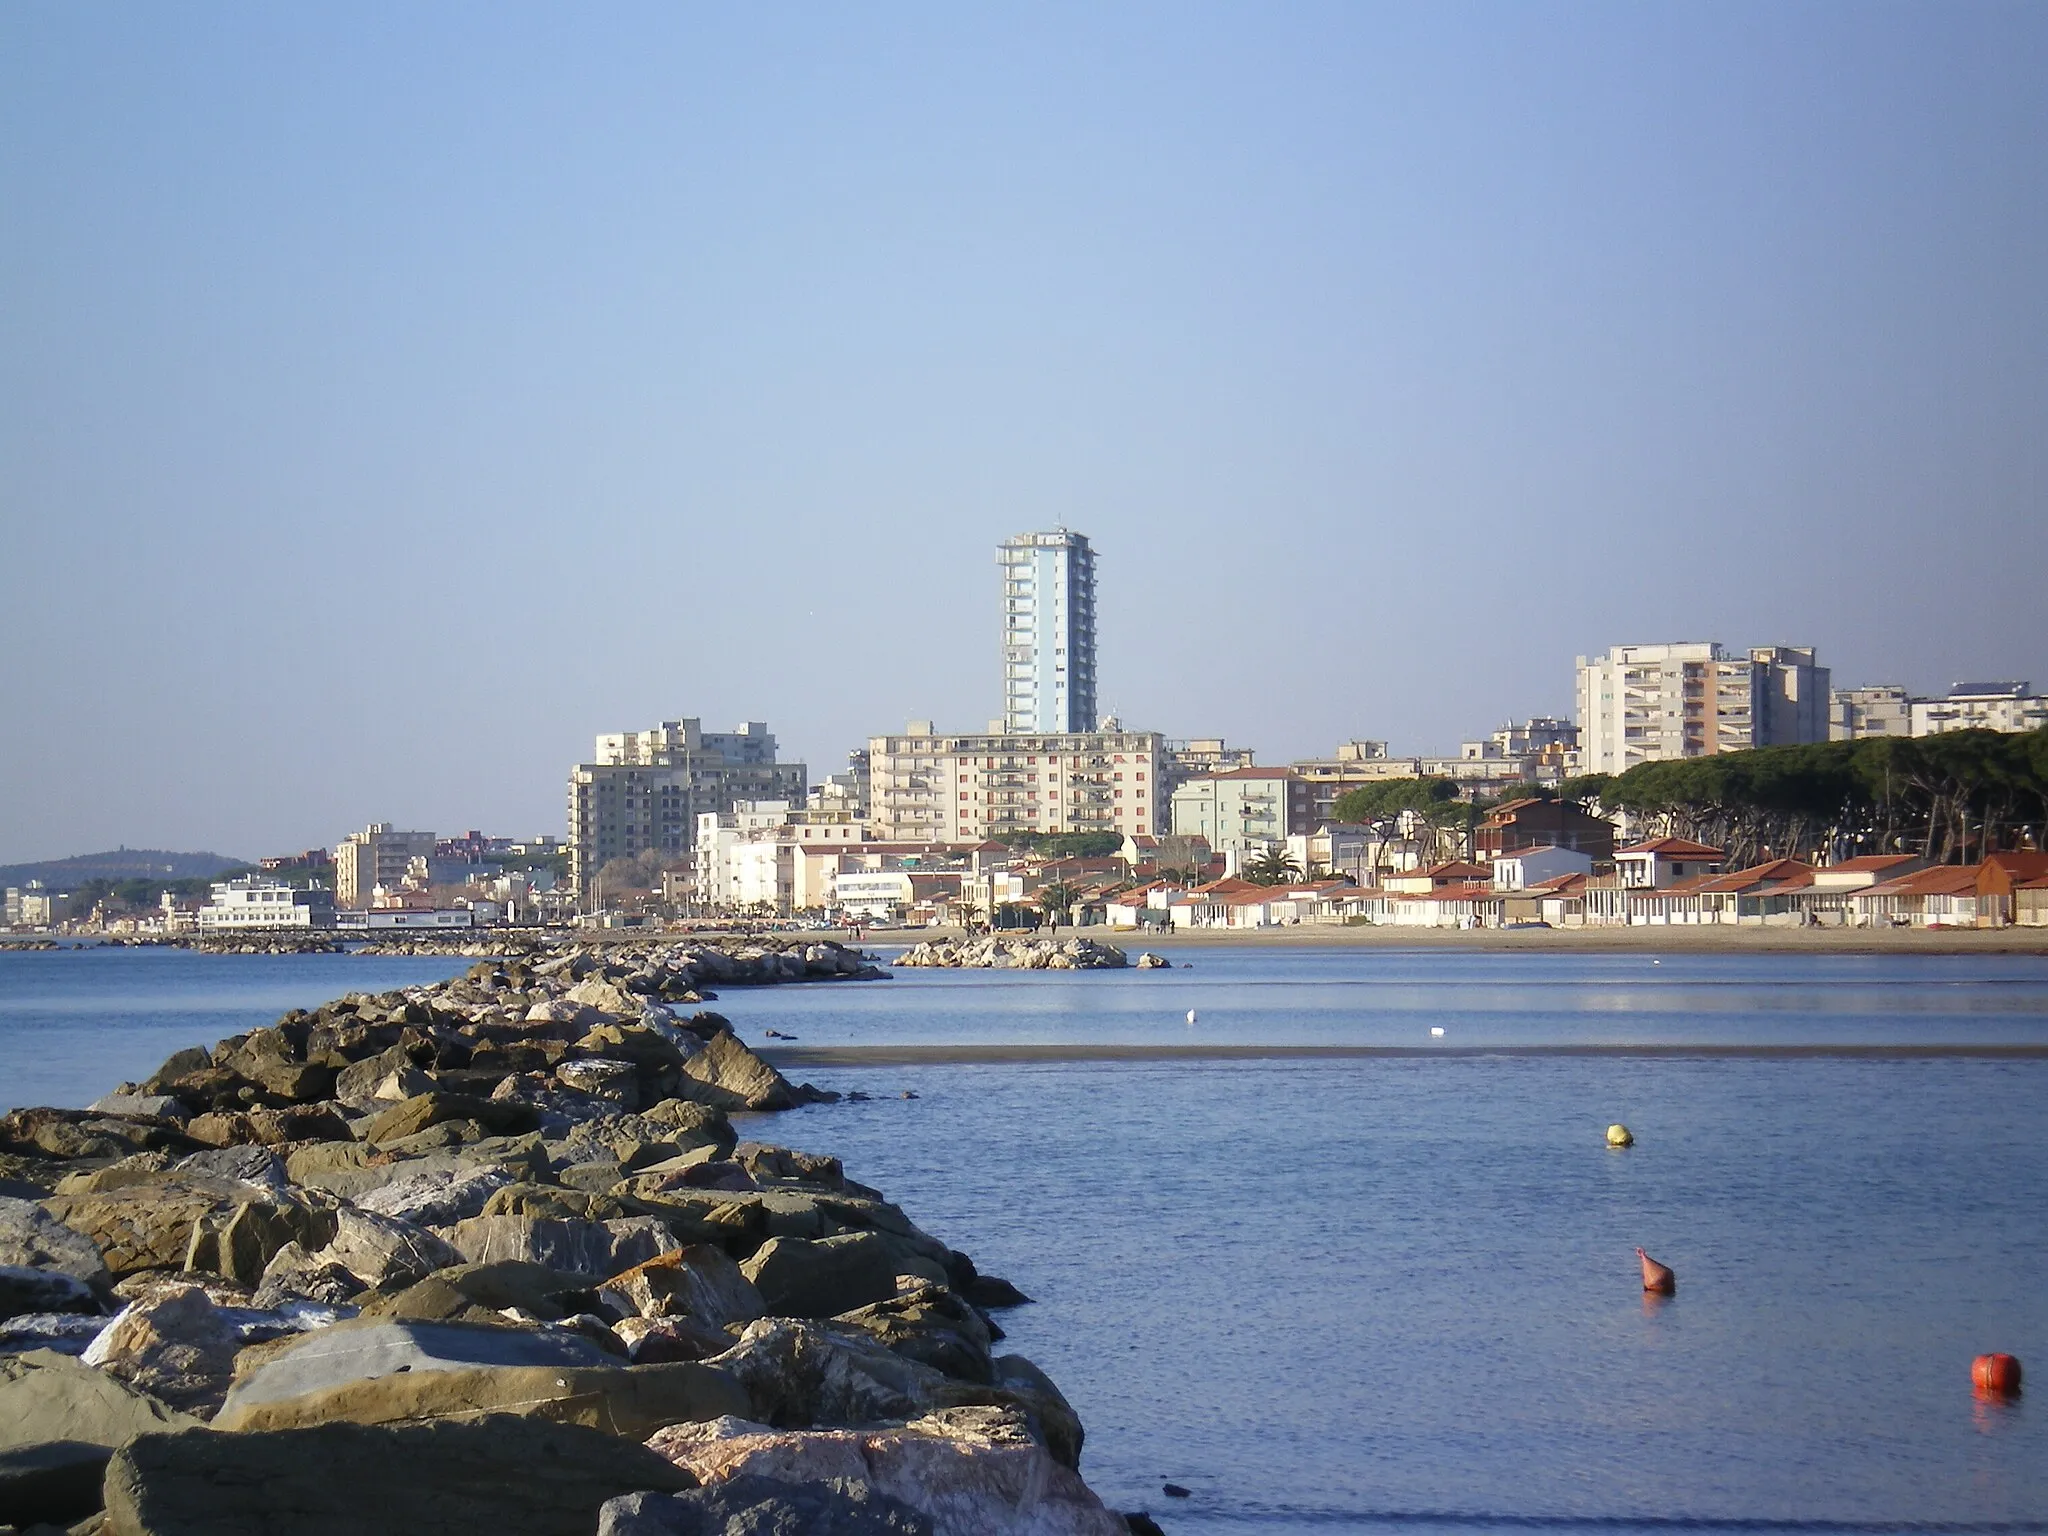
column 253, row 902
column 2009, row 706
column 1532, row 866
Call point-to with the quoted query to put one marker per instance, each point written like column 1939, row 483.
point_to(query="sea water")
column 1395, row 1293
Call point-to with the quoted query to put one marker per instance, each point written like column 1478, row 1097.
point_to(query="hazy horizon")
column 392, row 400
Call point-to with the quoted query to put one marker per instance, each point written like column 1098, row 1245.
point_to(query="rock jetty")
column 492, row 1255
column 994, row 952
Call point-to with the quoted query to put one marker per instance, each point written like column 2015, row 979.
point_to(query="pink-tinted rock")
column 970, row 1471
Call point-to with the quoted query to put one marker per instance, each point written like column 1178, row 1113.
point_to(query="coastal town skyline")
column 459, row 416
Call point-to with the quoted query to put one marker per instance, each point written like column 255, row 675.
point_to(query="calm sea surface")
column 1399, row 1293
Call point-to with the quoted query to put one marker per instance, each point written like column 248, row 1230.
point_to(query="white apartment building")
column 1647, row 703
column 755, row 854
column 646, row 789
column 376, row 856
column 929, row 788
column 1244, row 811
column 254, row 902
column 1048, row 632
column 1981, row 707
column 1854, row 713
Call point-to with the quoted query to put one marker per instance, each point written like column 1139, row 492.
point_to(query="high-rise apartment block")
column 1646, row 703
column 962, row 789
column 1048, row 632
column 646, row 790
column 376, row 856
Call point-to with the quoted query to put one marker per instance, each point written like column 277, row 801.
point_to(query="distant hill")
column 121, row 864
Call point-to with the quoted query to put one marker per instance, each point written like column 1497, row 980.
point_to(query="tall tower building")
column 1048, row 632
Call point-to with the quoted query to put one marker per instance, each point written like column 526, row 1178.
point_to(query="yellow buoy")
column 1619, row 1135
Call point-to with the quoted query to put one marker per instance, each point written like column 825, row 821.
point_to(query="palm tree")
column 1058, row 898
column 1273, row 867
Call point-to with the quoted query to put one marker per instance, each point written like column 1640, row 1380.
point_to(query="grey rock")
column 31, row 1238
column 436, row 1197
column 47, row 1397
column 506, row 1476
column 365, row 1351
column 382, row 1250
column 600, row 1249
column 153, row 1106
column 761, row 1506
column 251, row 1164
column 294, row 1273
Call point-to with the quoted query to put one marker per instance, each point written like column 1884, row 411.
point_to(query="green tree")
column 1273, row 867
column 1057, row 898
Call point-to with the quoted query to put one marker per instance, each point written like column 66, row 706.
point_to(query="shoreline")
column 999, row 1055
column 1644, row 939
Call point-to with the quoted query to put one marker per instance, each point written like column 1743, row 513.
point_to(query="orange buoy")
column 1657, row 1277
column 1996, row 1375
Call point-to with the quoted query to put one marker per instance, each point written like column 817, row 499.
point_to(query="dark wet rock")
column 26, row 1288
column 507, row 1476
column 55, row 1483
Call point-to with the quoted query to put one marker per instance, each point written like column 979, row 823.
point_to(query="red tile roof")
column 1673, row 848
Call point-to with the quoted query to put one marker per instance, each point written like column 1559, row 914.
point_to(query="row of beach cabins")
column 1664, row 881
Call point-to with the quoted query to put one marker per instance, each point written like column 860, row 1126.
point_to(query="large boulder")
column 968, row 1471
column 438, row 1196
column 153, row 1224
column 759, row 1506
column 31, row 1238
column 380, row 1373
column 800, row 1278
column 700, row 1282
column 592, row 1248
column 932, row 1326
column 727, row 1075
column 423, row 1111
column 507, row 1476
column 46, row 1398
column 801, row 1374
column 176, row 1346
column 382, row 1250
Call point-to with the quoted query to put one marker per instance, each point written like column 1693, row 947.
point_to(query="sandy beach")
column 1647, row 940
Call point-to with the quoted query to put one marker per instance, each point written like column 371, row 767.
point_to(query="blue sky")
column 392, row 397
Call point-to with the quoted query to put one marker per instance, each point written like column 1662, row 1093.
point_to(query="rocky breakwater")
column 995, row 952
column 492, row 1255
